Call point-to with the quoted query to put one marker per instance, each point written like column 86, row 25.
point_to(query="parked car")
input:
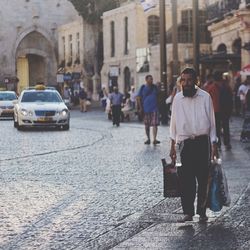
column 41, row 107
column 6, row 103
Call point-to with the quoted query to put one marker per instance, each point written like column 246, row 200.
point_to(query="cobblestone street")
column 62, row 189
column 92, row 187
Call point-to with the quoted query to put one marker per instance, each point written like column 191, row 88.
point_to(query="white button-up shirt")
column 192, row 116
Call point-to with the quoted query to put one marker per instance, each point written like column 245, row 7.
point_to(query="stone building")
column 28, row 40
column 131, row 42
column 76, row 51
column 229, row 24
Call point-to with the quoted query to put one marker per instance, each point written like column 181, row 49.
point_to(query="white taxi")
column 41, row 107
column 6, row 103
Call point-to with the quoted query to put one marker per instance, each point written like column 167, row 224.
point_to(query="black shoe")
column 147, row 142
column 203, row 219
column 186, row 218
column 156, row 142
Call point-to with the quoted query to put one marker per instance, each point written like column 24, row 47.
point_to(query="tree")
column 91, row 11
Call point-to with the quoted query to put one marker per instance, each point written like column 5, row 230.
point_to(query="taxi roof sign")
column 40, row 87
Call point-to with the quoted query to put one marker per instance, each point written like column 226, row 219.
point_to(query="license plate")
column 44, row 119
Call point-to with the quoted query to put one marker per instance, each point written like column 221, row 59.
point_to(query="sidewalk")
column 230, row 229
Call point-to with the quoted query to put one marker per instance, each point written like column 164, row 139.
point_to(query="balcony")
column 219, row 10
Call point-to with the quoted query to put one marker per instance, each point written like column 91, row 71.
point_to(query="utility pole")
column 196, row 37
column 163, row 52
column 175, row 69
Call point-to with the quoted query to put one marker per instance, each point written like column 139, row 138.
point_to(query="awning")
column 217, row 58
column 245, row 71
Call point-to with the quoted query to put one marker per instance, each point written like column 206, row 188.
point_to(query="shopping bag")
column 218, row 195
column 224, row 192
column 171, row 180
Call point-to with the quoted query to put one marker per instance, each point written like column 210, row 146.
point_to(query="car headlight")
column 25, row 112
column 64, row 112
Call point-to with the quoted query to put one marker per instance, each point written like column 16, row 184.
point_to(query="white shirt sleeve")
column 173, row 121
column 212, row 134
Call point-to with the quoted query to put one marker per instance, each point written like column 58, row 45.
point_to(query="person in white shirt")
column 192, row 129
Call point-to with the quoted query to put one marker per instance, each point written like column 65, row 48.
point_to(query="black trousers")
column 225, row 126
column 195, row 159
column 116, row 114
column 218, row 126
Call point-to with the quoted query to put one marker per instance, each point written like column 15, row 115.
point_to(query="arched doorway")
column 222, row 48
column 236, row 47
column 127, row 83
column 35, row 61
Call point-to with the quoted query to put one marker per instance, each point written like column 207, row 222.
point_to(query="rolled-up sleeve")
column 212, row 134
column 173, row 122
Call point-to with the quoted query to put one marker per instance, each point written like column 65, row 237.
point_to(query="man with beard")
column 192, row 130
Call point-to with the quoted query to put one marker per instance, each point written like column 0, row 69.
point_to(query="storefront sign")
column 113, row 71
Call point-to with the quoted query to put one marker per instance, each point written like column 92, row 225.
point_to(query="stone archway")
column 35, row 60
column 222, row 48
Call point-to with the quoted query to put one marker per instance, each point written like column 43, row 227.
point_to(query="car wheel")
column 18, row 126
column 15, row 124
column 65, row 127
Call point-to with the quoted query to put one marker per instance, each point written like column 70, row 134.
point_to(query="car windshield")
column 7, row 96
column 41, row 96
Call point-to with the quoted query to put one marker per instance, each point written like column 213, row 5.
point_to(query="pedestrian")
column 82, row 100
column 103, row 96
column 147, row 103
column 133, row 96
column 226, row 108
column 116, row 99
column 237, row 102
column 213, row 88
column 192, row 129
column 242, row 92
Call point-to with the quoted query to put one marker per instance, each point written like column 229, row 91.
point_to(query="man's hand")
column 214, row 153
column 172, row 153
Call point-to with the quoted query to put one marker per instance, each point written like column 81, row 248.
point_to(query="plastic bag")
column 218, row 195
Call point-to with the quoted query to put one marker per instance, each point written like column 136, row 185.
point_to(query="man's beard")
column 189, row 91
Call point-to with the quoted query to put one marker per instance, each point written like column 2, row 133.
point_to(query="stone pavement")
column 229, row 229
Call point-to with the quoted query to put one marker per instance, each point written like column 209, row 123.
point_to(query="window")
column 126, row 43
column 112, row 32
column 222, row 48
column 142, row 60
column 64, row 48
column 153, row 29
column 78, row 47
column 70, row 51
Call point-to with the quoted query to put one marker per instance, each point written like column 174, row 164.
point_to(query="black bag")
column 171, row 180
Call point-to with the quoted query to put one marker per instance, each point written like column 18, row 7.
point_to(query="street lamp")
column 163, row 52
column 196, row 37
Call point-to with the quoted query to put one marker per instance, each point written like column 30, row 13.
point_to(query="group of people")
column 222, row 97
column 118, row 106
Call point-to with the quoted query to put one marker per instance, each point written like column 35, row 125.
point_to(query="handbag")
column 171, row 180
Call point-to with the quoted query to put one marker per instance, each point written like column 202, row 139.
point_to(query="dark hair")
column 190, row 71
column 147, row 76
column 217, row 76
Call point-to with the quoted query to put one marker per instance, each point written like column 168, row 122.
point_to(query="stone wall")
column 19, row 18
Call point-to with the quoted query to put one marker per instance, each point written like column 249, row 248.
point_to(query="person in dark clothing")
column 116, row 99
column 226, row 107
column 82, row 100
